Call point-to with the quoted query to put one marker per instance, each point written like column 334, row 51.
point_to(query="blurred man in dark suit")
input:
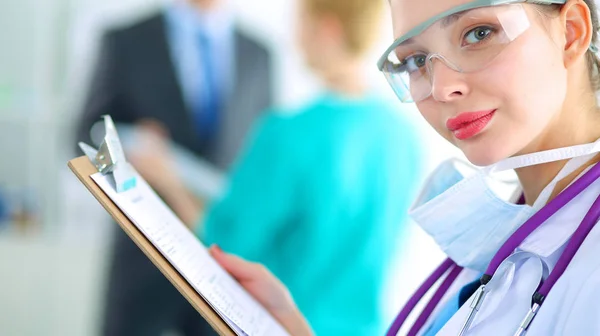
column 190, row 69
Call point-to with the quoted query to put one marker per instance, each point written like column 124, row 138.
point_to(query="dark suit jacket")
column 135, row 79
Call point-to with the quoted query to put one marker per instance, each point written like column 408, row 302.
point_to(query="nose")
column 447, row 82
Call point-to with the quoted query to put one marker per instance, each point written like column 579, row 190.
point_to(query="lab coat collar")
column 558, row 229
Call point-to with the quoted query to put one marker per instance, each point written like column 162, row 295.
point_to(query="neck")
column 572, row 127
column 345, row 78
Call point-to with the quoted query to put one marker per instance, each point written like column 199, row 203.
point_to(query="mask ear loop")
column 596, row 53
column 481, row 170
column 596, row 70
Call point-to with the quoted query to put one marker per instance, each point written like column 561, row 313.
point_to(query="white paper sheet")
column 185, row 252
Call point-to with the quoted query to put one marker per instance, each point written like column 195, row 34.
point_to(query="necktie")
column 208, row 108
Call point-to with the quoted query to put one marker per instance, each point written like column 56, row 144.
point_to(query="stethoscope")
column 452, row 269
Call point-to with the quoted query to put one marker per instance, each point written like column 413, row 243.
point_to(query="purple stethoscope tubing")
column 513, row 242
column 447, row 265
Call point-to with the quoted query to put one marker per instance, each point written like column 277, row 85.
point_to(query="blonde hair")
column 592, row 56
column 359, row 20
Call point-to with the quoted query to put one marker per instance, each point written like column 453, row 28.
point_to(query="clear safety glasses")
column 466, row 39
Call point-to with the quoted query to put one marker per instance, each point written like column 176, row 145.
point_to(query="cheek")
column 430, row 111
column 530, row 81
column 302, row 36
column 312, row 40
column 305, row 32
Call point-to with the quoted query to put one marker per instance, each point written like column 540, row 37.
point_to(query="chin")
column 483, row 155
column 482, row 160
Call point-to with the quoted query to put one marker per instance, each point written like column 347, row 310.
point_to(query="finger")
column 139, row 158
column 236, row 266
column 155, row 127
column 134, row 158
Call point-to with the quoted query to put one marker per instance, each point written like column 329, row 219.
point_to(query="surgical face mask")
column 469, row 220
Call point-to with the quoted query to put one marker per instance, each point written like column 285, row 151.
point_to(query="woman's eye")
column 477, row 35
column 420, row 60
column 415, row 62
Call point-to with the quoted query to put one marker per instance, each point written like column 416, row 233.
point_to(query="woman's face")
column 521, row 91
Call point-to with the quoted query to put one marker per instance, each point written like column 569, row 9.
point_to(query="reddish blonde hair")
column 358, row 18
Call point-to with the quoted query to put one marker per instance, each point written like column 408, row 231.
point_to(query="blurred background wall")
column 53, row 247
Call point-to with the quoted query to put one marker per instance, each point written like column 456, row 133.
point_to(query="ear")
column 577, row 22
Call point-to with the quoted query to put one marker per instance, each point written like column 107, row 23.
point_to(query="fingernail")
column 217, row 248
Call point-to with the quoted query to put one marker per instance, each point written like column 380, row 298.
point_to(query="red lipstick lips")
column 467, row 125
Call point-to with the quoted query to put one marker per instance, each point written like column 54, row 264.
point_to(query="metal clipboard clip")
column 109, row 158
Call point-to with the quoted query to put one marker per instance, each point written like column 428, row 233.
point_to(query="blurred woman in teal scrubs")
column 320, row 193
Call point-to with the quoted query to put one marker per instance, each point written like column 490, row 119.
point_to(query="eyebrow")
column 446, row 21
column 450, row 19
column 410, row 40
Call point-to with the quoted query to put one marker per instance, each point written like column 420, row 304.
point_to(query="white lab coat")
column 573, row 305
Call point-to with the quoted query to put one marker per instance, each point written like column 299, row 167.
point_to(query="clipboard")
column 83, row 168
column 165, row 240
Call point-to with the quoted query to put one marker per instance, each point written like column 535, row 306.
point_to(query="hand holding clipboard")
column 228, row 305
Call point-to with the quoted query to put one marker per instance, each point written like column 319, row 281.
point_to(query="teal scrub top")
column 320, row 196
